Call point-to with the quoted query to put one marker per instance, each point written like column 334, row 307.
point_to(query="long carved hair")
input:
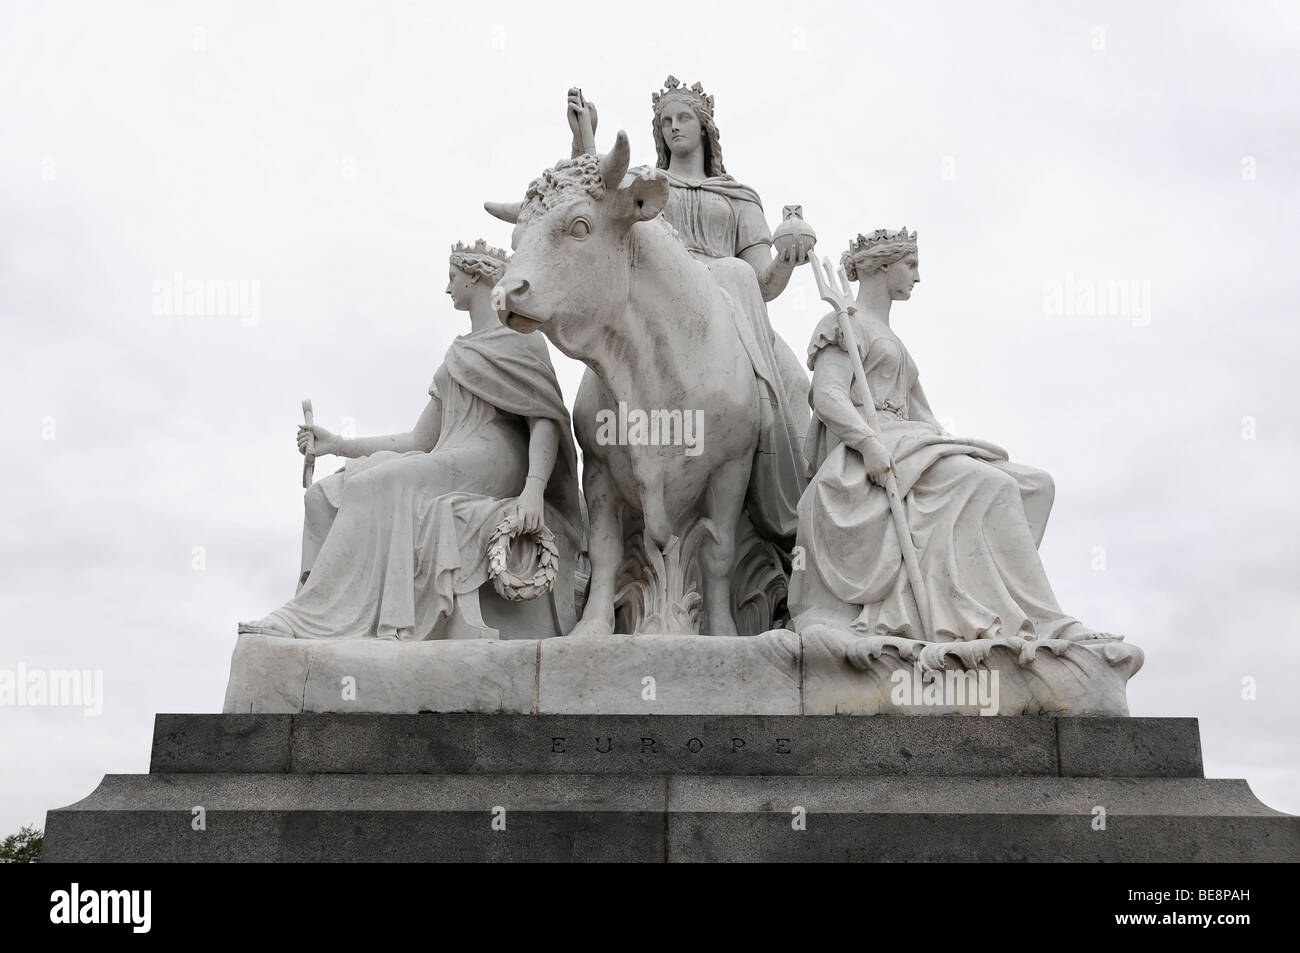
column 712, row 146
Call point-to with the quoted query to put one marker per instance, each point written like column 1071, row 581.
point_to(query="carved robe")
column 976, row 519
column 717, row 219
column 405, row 533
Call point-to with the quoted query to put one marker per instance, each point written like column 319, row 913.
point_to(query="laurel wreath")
column 509, row 585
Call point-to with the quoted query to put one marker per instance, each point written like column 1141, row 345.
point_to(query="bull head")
column 572, row 263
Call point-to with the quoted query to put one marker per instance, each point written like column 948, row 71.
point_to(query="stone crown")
column 480, row 249
column 881, row 236
column 695, row 95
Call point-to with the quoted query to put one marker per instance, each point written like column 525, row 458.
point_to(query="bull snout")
column 508, row 291
column 510, row 300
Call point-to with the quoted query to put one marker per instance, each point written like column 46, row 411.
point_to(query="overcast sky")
column 331, row 158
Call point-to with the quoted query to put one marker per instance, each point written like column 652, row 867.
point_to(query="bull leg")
column 726, row 498
column 604, row 548
column 654, row 513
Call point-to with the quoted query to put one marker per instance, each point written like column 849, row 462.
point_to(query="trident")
column 841, row 299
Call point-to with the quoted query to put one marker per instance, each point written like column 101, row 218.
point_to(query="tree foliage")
column 23, row 847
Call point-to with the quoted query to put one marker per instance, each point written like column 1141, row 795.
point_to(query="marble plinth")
column 821, row 671
column 475, row 787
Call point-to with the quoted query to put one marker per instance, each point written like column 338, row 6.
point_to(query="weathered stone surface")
column 670, row 818
column 957, row 838
column 986, row 819
column 693, row 674
column 1129, row 747
column 824, row 671
column 215, row 744
column 268, row 675
column 1025, row 796
column 589, row 787
column 427, row 818
column 656, row 744
column 271, row 674
column 847, row 674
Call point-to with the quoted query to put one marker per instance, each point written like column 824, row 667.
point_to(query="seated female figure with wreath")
column 396, row 542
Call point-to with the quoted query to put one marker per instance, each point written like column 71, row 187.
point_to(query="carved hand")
column 876, row 459
column 326, row 442
column 796, row 255
column 530, row 509
column 578, row 107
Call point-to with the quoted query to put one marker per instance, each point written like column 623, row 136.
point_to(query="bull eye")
column 580, row 228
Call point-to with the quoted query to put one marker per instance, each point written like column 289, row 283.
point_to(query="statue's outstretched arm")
column 772, row 275
column 424, row 436
column 543, row 448
column 582, row 123
column 774, row 270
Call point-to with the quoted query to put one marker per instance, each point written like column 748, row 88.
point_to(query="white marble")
column 271, row 675
column 823, row 671
column 859, row 561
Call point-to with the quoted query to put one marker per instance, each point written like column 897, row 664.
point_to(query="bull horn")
column 613, row 164
column 506, row 211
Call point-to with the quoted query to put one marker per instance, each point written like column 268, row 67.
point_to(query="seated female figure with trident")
column 906, row 529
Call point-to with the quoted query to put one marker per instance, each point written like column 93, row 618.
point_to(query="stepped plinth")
column 656, row 788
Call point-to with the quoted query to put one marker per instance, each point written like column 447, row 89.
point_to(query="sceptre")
column 309, row 461
column 584, row 133
column 842, row 301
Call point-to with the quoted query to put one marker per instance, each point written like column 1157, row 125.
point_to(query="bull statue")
column 608, row 282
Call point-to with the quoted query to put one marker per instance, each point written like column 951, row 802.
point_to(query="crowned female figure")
column 393, row 539
column 721, row 223
column 976, row 519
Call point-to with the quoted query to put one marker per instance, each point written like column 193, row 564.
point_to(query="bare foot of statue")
column 268, row 626
column 1081, row 633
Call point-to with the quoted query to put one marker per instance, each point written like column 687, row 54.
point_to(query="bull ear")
column 506, row 211
column 613, row 164
column 645, row 194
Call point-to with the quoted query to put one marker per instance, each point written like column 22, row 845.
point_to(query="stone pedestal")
column 822, row 671
column 556, row 787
